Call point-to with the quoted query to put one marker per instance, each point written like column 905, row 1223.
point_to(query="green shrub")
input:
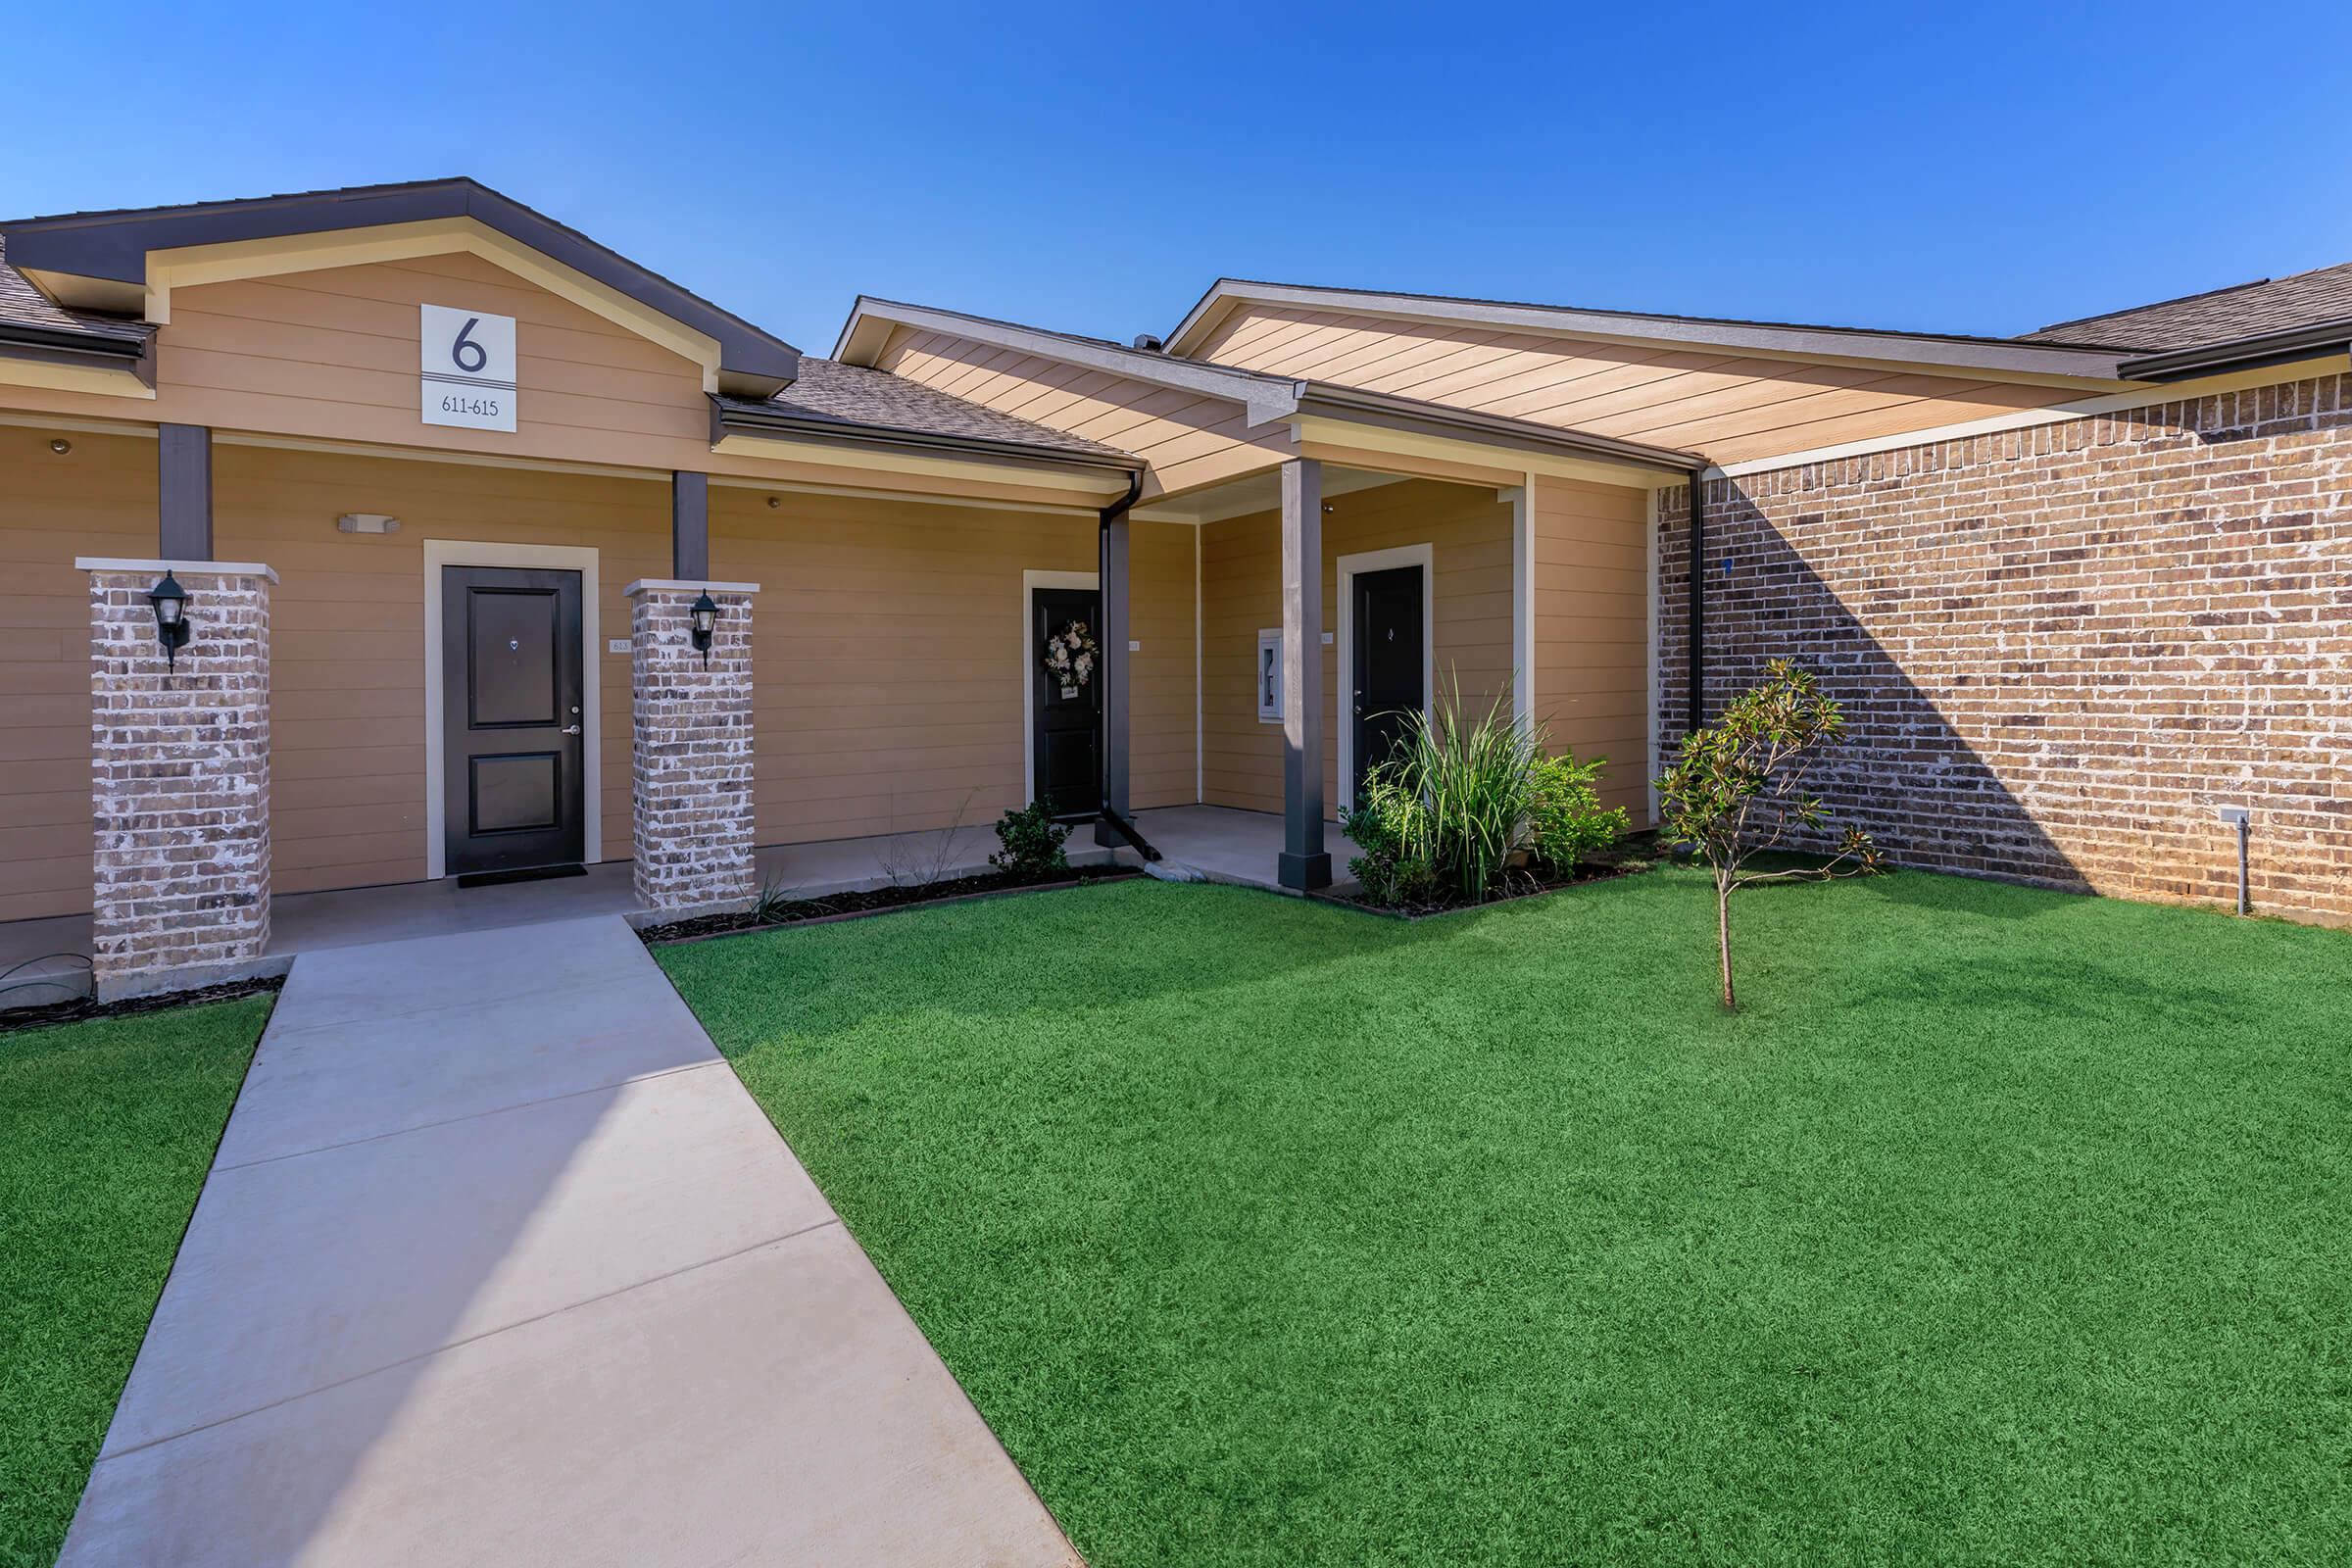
column 1383, row 822
column 1565, row 819
column 1472, row 775
column 1032, row 841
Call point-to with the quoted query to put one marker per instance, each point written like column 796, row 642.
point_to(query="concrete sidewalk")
column 498, row 1263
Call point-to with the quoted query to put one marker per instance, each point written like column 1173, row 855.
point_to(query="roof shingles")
column 857, row 397
column 2223, row 315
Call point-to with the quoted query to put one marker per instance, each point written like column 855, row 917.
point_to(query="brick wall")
column 691, row 752
column 2060, row 649
column 179, row 795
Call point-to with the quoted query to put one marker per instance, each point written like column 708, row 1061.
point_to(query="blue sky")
column 1975, row 169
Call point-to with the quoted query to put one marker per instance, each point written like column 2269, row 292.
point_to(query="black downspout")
column 1696, row 666
column 1110, row 514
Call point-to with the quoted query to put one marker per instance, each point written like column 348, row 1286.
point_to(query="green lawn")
column 106, row 1131
column 2000, row 1226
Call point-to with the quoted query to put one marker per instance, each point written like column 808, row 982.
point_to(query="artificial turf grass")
column 107, row 1128
column 1998, row 1226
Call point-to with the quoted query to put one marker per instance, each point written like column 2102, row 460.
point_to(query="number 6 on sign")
column 466, row 368
column 466, row 345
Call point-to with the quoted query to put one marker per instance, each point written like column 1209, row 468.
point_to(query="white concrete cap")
column 216, row 568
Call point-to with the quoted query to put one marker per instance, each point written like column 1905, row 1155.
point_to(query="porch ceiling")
column 1256, row 492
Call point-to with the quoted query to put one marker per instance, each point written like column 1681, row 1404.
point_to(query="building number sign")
column 469, row 369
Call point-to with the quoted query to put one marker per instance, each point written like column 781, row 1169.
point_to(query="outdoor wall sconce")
column 704, row 614
column 171, row 602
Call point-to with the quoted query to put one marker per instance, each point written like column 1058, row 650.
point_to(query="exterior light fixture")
column 704, row 614
column 171, row 602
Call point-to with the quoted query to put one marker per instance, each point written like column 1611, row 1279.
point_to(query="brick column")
column 690, row 748
column 180, row 777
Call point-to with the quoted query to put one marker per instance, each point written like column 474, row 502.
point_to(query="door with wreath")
column 1066, row 708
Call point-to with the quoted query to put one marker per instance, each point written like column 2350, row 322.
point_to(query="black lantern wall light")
column 703, row 615
column 171, row 602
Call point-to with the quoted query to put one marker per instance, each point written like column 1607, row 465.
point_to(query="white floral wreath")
column 1070, row 655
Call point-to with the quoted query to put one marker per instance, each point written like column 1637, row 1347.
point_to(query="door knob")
column 571, row 729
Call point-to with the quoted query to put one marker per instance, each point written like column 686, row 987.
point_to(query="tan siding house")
column 658, row 594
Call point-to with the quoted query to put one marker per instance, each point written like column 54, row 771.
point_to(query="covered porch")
column 1409, row 560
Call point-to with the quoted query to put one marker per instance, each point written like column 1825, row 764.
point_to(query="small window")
column 1269, row 675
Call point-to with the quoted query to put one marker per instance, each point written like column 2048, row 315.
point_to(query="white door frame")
column 439, row 552
column 1031, row 582
column 1343, row 710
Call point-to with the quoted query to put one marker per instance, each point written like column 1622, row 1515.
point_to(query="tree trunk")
column 1723, row 940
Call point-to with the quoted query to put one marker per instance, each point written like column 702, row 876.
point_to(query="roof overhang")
column 127, row 262
column 1325, row 400
column 2286, row 347
column 732, row 415
column 1976, row 356
column 774, row 431
column 1266, row 398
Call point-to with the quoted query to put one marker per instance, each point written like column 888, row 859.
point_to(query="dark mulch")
column 1531, row 883
column 91, row 1007
column 878, row 901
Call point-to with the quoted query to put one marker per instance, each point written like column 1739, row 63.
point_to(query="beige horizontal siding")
column 1729, row 405
column 892, row 651
column 97, row 500
column 347, row 634
column 1592, row 608
column 1469, row 532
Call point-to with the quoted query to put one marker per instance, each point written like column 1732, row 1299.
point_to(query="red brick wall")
column 2061, row 648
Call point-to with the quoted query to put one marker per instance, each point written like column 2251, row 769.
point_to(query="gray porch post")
column 1112, row 638
column 689, row 526
column 1303, row 865
column 183, row 511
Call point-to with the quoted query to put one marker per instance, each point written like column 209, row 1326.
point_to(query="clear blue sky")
column 1955, row 169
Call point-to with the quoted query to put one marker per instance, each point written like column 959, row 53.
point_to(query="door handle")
column 571, row 729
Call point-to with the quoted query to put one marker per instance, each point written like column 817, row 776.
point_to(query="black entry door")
column 1067, row 746
column 1388, row 674
column 511, row 713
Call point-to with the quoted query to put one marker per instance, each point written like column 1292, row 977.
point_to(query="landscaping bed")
column 1997, row 1226
column 783, row 912
column 107, row 1128
column 85, row 1008
column 1514, row 883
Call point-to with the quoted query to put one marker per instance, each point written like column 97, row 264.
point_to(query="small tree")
column 1739, row 786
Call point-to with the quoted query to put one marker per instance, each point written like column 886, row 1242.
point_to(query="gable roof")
column 77, row 258
column 1990, row 356
column 1266, row 398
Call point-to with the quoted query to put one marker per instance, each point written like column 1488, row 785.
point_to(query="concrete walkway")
column 498, row 1263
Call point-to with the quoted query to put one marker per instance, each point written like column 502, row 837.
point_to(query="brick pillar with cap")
column 690, row 748
column 179, row 777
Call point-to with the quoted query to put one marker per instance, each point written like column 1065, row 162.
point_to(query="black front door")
column 1388, row 674
column 1067, row 746
column 510, row 684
